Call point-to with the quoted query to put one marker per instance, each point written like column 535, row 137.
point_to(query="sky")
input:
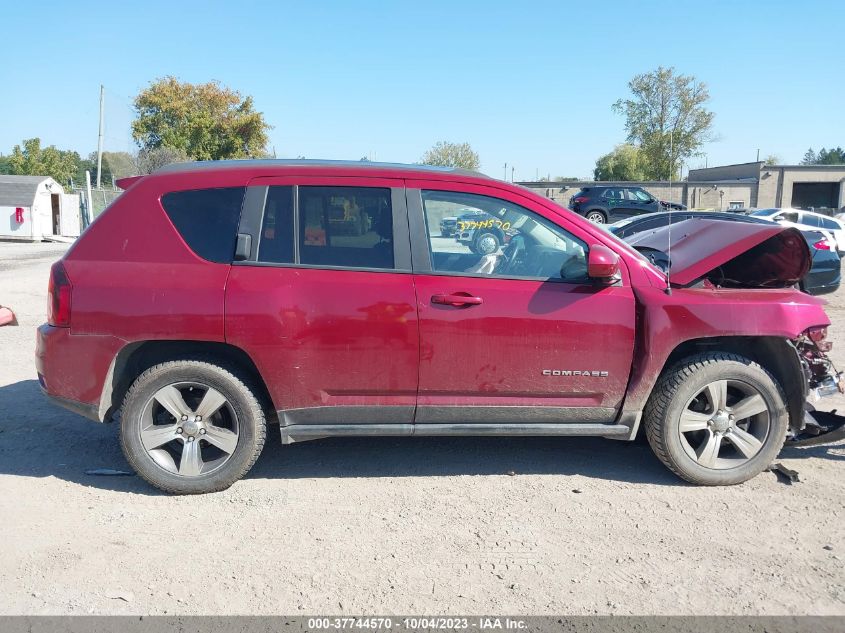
column 525, row 83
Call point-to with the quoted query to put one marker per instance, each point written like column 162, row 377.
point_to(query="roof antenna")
column 669, row 249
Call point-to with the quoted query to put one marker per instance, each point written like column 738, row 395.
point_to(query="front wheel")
column 486, row 243
column 716, row 419
column 191, row 427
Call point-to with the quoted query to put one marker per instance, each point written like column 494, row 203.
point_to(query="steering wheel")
column 515, row 247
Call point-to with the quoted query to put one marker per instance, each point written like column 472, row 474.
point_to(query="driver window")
column 482, row 235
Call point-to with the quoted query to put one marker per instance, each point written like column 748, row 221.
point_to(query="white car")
column 808, row 220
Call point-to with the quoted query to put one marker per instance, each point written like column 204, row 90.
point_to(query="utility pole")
column 512, row 168
column 506, row 172
column 100, row 142
column 758, row 154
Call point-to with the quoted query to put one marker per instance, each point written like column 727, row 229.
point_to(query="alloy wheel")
column 487, row 244
column 724, row 424
column 595, row 217
column 189, row 429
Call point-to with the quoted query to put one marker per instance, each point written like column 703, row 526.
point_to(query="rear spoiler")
column 125, row 183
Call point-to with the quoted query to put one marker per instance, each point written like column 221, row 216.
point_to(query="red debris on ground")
column 7, row 317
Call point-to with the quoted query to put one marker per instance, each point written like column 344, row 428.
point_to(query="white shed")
column 34, row 207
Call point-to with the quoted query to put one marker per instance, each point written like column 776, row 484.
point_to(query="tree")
column 33, row 160
column 772, row 159
column 625, row 162
column 666, row 118
column 204, row 121
column 810, row 158
column 146, row 161
column 445, row 154
column 832, row 156
column 5, row 165
column 116, row 164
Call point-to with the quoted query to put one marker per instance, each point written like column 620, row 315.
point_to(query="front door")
column 640, row 202
column 324, row 302
column 519, row 335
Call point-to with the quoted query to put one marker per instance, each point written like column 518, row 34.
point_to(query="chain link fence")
column 100, row 199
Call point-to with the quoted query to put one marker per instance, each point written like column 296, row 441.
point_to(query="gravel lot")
column 435, row 525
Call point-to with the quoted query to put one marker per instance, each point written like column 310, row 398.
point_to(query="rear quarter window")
column 207, row 219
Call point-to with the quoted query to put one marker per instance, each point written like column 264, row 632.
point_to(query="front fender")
column 666, row 322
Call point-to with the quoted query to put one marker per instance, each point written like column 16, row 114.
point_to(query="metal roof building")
column 35, row 207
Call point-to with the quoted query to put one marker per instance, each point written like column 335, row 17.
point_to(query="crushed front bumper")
column 818, row 427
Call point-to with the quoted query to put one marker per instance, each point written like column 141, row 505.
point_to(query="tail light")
column 58, row 300
column 578, row 200
column 823, row 245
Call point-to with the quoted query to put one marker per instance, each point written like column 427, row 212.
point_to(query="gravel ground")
column 435, row 525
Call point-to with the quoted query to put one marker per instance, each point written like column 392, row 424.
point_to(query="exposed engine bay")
column 818, row 427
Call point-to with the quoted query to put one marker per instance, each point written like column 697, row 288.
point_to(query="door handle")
column 457, row 300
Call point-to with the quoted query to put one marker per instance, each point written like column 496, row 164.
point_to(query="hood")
column 729, row 254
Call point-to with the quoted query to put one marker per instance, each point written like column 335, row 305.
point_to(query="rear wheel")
column 596, row 217
column 191, row 427
column 716, row 419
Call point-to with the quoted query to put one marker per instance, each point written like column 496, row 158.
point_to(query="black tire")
column 680, row 384
column 239, row 395
column 488, row 237
column 596, row 216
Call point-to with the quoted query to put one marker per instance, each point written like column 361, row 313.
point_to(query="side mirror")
column 602, row 264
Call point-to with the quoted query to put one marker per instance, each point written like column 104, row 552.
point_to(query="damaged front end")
column 818, row 427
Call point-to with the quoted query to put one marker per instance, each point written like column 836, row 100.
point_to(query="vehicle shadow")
column 38, row 439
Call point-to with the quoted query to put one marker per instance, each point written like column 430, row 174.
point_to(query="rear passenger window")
column 346, row 226
column 276, row 243
column 207, row 219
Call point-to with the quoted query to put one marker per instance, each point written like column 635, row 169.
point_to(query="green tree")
column 772, row 159
column 666, row 118
column 204, row 121
column 832, row 156
column 5, row 165
column 625, row 162
column 810, row 158
column 445, row 154
column 33, row 160
column 146, row 161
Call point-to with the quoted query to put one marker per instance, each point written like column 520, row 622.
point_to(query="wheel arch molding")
column 136, row 357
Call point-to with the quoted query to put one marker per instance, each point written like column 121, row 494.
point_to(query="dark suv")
column 602, row 204
column 211, row 301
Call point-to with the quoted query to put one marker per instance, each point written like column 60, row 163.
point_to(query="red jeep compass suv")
column 213, row 299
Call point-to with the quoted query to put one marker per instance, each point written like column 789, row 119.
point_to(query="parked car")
column 823, row 277
column 481, row 232
column 807, row 220
column 602, row 204
column 448, row 226
column 212, row 299
column 672, row 206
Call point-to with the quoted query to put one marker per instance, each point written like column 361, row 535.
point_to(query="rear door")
column 323, row 300
column 617, row 204
column 525, row 342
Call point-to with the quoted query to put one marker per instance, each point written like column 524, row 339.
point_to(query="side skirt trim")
column 303, row 432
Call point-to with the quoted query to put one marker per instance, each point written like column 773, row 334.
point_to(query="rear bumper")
column 72, row 368
column 90, row 411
